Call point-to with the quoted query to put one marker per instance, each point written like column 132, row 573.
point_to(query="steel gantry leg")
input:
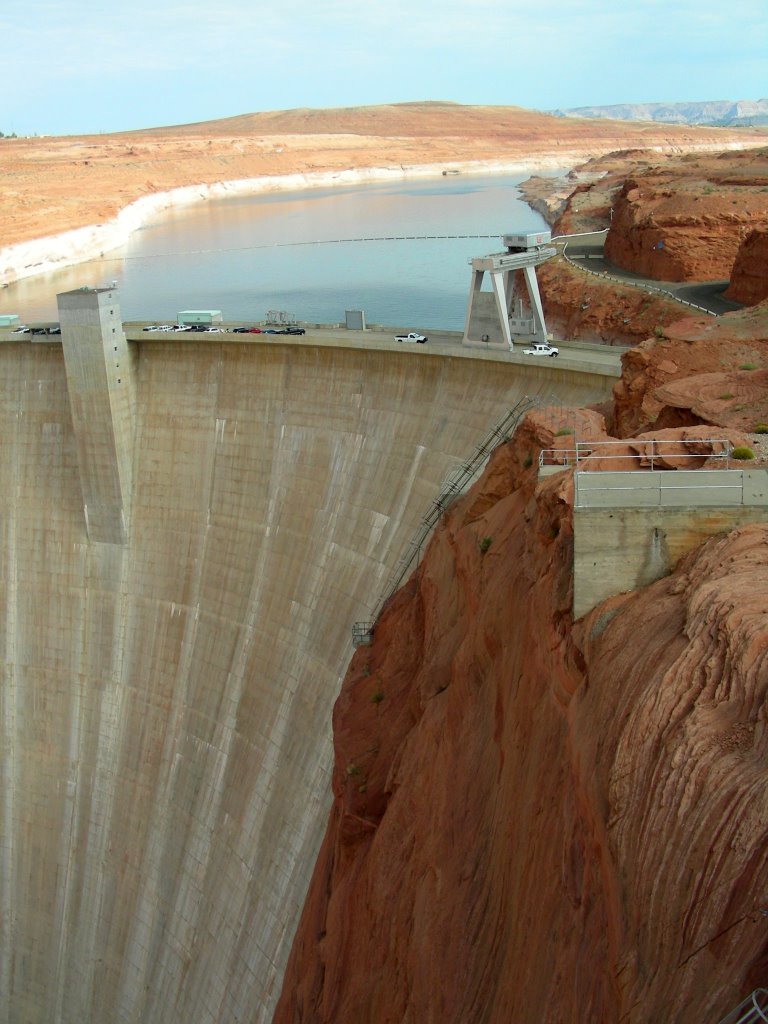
column 532, row 285
column 498, row 280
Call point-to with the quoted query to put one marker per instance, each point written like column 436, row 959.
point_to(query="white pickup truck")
column 541, row 348
column 413, row 337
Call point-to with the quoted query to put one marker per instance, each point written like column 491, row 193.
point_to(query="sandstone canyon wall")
column 749, row 276
column 536, row 820
column 686, row 221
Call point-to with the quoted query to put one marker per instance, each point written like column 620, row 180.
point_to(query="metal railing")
column 654, row 450
column 645, row 471
column 751, row 1011
column 456, row 480
column 648, row 454
column 642, row 285
column 563, row 457
column 714, row 481
column 662, row 494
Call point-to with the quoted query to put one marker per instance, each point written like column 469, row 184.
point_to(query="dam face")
column 166, row 699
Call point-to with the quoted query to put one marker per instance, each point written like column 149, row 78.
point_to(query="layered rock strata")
column 749, row 275
column 686, row 220
column 717, row 366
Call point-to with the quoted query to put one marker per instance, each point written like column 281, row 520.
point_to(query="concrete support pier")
column 489, row 323
column 101, row 397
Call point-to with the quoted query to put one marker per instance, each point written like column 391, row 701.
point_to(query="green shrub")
column 528, row 461
column 748, row 366
column 725, row 396
column 659, row 331
column 760, row 428
column 742, row 453
column 484, row 544
column 377, row 698
column 563, row 431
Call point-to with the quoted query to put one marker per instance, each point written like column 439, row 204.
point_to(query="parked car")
column 154, row 327
column 413, row 337
column 240, row 330
column 295, row 330
column 21, row 329
column 255, row 330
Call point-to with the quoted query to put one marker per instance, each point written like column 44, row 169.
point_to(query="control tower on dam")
column 172, row 652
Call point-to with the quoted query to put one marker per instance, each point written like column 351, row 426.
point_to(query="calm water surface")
column 240, row 255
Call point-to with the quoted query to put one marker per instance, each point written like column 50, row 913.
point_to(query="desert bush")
column 742, row 453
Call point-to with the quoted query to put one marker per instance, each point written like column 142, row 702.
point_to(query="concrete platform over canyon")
column 166, row 697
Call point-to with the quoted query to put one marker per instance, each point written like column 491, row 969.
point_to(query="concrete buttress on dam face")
column 168, row 678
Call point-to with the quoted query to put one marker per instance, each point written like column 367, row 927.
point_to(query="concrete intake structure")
column 492, row 324
column 100, row 384
column 166, row 693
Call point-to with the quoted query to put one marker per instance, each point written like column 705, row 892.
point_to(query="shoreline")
column 79, row 245
column 50, row 253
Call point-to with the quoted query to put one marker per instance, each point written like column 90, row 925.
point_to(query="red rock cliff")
column 539, row 822
column 674, row 228
column 693, row 351
column 749, row 277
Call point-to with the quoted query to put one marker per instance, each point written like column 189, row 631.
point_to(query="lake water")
column 281, row 251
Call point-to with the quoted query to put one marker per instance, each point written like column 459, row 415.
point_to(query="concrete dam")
column 168, row 677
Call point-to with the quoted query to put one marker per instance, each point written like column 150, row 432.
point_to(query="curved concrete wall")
column 166, row 705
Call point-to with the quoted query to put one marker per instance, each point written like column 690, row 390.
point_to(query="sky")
column 76, row 67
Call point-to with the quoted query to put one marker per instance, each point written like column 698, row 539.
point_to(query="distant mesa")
column 716, row 113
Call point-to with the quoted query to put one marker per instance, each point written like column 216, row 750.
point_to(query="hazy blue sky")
column 77, row 66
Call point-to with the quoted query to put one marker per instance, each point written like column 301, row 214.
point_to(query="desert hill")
column 56, row 184
column 427, row 119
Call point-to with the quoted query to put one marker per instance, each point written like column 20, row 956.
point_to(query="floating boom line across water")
column 288, row 245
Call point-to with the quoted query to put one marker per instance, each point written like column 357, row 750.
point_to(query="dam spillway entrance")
column 166, row 702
